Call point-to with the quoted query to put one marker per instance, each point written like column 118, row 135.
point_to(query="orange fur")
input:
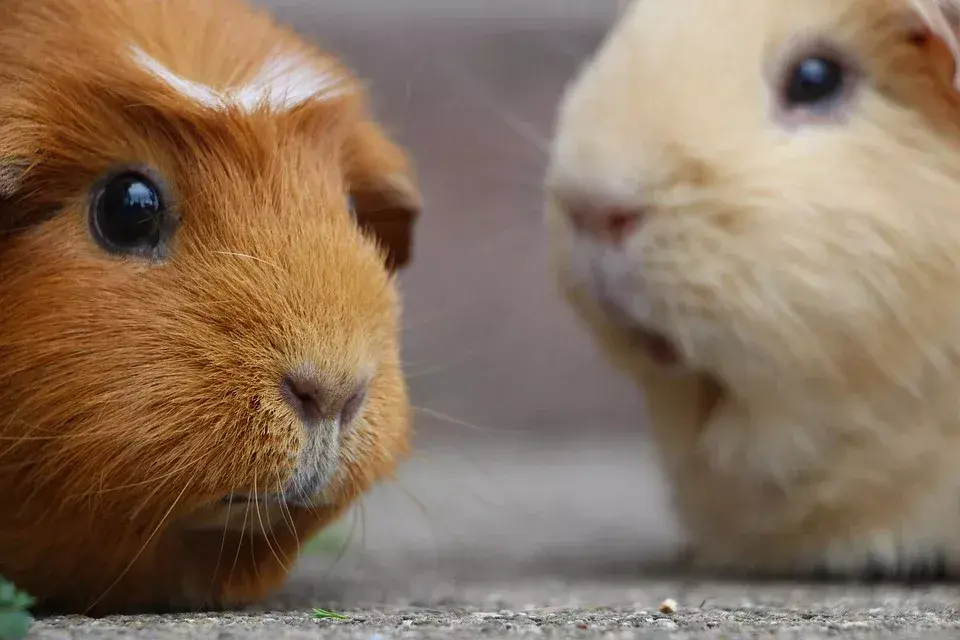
column 135, row 395
column 807, row 274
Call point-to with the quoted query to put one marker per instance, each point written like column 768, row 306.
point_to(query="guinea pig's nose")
column 604, row 219
column 611, row 224
column 317, row 403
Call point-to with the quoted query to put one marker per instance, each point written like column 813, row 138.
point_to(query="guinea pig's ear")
column 939, row 24
column 12, row 171
column 9, row 179
column 386, row 197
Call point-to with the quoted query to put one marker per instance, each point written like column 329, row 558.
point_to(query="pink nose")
column 609, row 224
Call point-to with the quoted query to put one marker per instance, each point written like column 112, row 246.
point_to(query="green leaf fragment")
column 15, row 624
column 15, row 619
column 323, row 614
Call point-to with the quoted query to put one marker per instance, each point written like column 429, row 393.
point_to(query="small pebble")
column 483, row 615
column 668, row 606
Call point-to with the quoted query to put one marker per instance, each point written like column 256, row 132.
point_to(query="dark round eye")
column 814, row 80
column 128, row 214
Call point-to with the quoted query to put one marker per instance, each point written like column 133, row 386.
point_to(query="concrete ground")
column 533, row 506
column 510, row 536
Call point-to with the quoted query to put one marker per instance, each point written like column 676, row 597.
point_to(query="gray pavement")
column 710, row 612
column 508, row 538
column 533, row 505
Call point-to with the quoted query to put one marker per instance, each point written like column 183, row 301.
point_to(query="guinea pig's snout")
column 317, row 403
column 604, row 221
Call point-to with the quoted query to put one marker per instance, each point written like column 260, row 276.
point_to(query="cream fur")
column 808, row 271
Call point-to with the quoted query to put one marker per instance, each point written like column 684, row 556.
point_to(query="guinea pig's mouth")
column 253, row 513
column 245, row 500
column 665, row 353
column 245, row 511
column 661, row 349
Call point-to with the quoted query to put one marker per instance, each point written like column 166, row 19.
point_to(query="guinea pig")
column 752, row 207
column 201, row 227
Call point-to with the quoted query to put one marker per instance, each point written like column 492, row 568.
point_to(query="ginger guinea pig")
column 753, row 206
column 200, row 225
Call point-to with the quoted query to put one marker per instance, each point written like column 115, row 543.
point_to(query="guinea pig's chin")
column 612, row 285
column 246, row 511
column 306, row 486
column 317, row 466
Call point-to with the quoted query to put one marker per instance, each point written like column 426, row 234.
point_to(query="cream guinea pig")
column 200, row 225
column 754, row 206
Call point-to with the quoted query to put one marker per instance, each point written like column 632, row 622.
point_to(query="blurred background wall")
column 529, row 448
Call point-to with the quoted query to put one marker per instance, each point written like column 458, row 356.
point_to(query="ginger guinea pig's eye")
column 130, row 215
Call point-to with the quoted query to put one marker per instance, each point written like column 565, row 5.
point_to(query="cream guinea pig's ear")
column 386, row 198
column 940, row 19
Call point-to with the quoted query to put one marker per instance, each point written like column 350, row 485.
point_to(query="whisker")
column 249, row 257
column 454, row 361
column 346, row 545
column 147, row 500
column 287, row 516
column 263, row 526
column 236, row 556
column 142, row 548
column 525, row 130
column 253, row 541
column 425, row 512
column 223, row 544
column 101, row 491
column 451, row 420
column 363, row 532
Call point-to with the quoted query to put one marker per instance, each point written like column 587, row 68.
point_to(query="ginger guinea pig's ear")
column 13, row 217
column 385, row 194
column 12, row 170
column 938, row 25
column 9, row 179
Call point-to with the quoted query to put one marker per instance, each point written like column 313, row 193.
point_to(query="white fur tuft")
column 287, row 81
column 283, row 83
column 193, row 90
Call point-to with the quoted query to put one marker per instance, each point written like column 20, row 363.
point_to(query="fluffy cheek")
column 154, row 427
column 827, row 294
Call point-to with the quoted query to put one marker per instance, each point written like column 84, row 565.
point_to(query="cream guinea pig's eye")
column 813, row 80
column 129, row 214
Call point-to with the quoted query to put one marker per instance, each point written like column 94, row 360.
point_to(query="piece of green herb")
column 323, row 614
column 15, row 618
